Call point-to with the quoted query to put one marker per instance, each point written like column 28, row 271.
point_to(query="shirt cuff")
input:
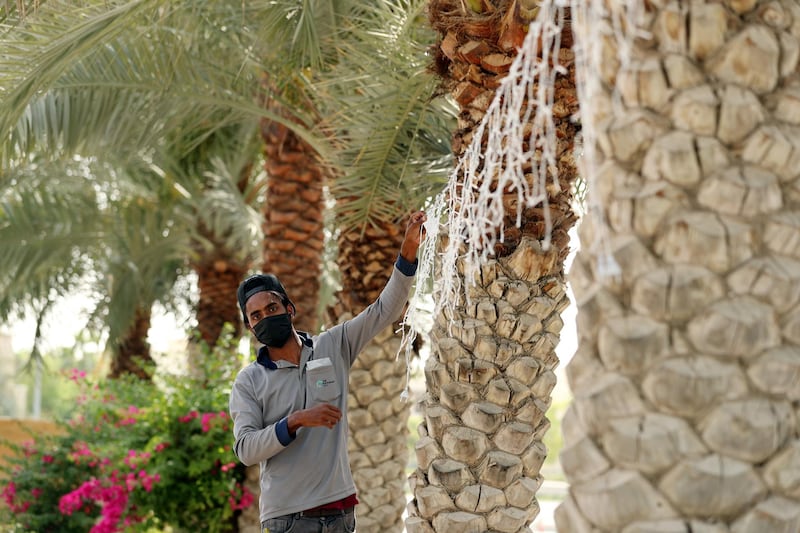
column 405, row 266
column 282, row 432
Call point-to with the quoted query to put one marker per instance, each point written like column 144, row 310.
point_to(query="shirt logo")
column 321, row 383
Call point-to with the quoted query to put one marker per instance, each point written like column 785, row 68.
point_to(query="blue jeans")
column 297, row 523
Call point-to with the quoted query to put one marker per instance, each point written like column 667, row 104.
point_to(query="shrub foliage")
column 134, row 456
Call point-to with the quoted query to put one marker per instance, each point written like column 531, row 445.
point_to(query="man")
column 289, row 407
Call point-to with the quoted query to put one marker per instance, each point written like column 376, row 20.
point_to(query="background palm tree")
column 228, row 189
column 294, row 216
column 490, row 373
column 685, row 380
column 304, row 43
column 113, row 99
column 62, row 232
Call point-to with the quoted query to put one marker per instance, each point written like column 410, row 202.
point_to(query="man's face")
column 261, row 305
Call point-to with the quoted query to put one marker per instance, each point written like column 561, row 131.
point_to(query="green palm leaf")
column 393, row 133
column 72, row 76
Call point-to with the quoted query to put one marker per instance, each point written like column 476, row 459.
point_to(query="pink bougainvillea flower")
column 112, row 495
column 189, row 417
column 29, row 448
column 9, row 492
column 77, row 375
column 205, row 422
column 134, row 458
column 245, row 500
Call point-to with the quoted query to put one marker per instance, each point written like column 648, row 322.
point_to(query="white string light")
column 472, row 201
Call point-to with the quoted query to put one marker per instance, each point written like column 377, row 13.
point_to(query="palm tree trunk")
column 219, row 272
column 294, row 219
column 685, row 412
column 132, row 353
column 377, row 415
column 490, row 373
column 218, row 277
column 293, row 236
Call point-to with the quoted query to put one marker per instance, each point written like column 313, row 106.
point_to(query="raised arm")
column 357, row 332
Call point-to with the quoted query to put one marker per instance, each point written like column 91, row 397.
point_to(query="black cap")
column 259, row 283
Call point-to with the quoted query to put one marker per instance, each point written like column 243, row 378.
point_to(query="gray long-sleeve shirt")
column 312, row 468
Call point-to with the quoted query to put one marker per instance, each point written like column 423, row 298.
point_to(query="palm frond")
column 63, row 227
column 224, row 177
column 90, row 26
column 48, row 229
column 393, row 132
column 147, row 258
column 95, row 75
column 300, row 31
column 226, row 213
column 14, row 12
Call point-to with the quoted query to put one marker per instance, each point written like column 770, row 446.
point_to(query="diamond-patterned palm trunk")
column 219, row 272
column 293, row 219
column 489, row 380
column 687, row 376
column 490, row 373
column 133, row 351
column 218, row 276
column 378, row 418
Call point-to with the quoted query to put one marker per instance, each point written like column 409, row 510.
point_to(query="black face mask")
column 274, row 331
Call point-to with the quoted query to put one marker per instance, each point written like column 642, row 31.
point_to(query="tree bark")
column 683, row 412
column 378, row 417
column 132, row 353
column 490, row 373
column 293, row 219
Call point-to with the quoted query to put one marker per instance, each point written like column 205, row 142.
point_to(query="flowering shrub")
column 135, row 456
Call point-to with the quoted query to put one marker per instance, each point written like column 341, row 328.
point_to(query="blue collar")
column 263, row 352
